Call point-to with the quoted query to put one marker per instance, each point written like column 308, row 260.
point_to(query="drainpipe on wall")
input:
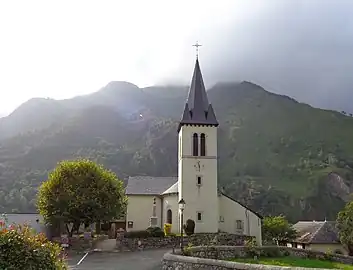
column 247, row 221
column 162, row 211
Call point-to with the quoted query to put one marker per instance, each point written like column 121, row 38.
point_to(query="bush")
column 149, row 232
column 155, row 232
column 138, row 234
column 21, row 249
column 271, row 252
column 189, row 227
column 167, row 228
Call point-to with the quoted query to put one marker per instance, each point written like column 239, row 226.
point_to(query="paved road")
column 144, row 260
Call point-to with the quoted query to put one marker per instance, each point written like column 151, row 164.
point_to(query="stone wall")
column 200, row 239
column 78, row 243
column 215, row 257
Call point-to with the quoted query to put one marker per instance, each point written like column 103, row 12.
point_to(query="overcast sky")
column 60, row 49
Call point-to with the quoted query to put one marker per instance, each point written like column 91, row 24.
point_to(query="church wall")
column 234, row 218
column 171, row 202
column 199, row 198
column 139, row 211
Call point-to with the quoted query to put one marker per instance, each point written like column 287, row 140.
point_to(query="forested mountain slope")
column 277, row 155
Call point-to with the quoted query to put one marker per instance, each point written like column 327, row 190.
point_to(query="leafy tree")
column 21, row 249
column 345, row 226
column 80, row 191
column 277, row 229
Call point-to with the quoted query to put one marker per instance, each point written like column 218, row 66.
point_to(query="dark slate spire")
column 198, row 111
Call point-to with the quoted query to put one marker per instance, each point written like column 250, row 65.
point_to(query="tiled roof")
column 317, row 232
column 147, row 185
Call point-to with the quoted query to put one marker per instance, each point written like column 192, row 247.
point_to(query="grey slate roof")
column 172, row 189
column 198, row 110
column 316, row 232
column 147, row 185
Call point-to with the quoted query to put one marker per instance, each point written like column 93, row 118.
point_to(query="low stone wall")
column 215, row 257
column 200, row 239
column 80, row 244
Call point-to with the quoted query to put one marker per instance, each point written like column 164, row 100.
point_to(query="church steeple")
column 198, row 111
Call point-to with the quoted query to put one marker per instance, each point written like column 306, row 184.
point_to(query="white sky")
column 60, row 49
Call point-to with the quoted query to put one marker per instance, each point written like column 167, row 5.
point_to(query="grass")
column 294, row 261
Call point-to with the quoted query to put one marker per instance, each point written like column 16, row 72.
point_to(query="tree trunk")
column 350, row 250
column 76, row 226
column 98, row 227
column 69, row 232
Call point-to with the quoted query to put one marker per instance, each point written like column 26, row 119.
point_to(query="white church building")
column 153, row 201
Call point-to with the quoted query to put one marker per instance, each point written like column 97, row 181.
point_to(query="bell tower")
column 197, row 157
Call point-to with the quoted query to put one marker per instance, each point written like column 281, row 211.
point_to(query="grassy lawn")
column 293, row 261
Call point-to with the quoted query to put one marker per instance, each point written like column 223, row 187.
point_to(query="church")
column 193, row 194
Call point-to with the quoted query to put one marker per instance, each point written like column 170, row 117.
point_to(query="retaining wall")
column 214, row 258
column 200, row 239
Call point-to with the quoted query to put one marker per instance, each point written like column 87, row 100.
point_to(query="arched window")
column 169, row 216
column 203, row 144
column 195, row 145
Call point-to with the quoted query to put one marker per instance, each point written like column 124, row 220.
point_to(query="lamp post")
column 181, row 208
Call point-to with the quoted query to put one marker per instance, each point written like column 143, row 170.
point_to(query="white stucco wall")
column 139, row 211
column 203, row 198
column 231, row 211
column 171, row 202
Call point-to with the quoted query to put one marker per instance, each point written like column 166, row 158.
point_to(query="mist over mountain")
column 276, row 154
column 298, row 48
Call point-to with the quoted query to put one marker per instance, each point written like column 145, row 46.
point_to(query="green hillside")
column 276, row 155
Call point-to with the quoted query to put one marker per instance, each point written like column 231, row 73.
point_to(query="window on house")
column 199, row 181
column 239, row 224
column 130, row 224
column 195, row 145
column 221, row 219
column 199, row 216
column 169, row 216
column 203, row 144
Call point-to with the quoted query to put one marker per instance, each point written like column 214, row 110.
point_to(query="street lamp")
column 181, row 208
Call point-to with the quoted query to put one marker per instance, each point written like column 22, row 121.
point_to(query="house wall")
column 231, row 211
column 139, row 211
column 327, row 248
column 171, row 202
column 199, row 198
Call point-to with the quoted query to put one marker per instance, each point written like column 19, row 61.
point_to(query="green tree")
column 80, row 191
column 277, row 229
column 345, row 226
column 21, row 249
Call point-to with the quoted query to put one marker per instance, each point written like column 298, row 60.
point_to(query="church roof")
column 172, row 189
column 148, row 185
column 198, row 111
column 220, row 192
column 316, row 232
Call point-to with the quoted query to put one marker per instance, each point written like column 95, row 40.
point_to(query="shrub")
column 286, row 253
column 272, row 252
column 189, row 227
column 167, row 228
column 21, row 249
column 311, row 255
column 138, row 234
column 155, row 232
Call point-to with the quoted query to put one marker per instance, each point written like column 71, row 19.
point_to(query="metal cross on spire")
column 197, row 45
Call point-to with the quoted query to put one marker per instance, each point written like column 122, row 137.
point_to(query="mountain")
column 276, row 155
